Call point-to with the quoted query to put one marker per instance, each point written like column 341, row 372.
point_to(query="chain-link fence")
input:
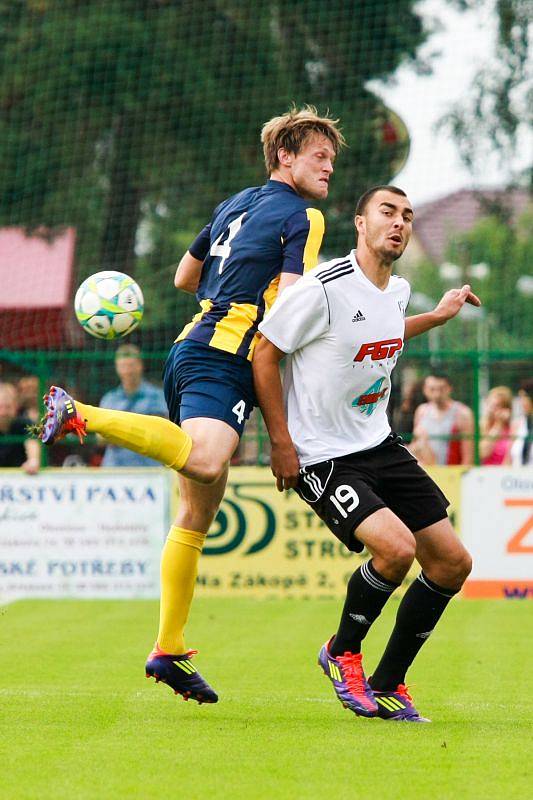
column 470, row 375
column 125, row 122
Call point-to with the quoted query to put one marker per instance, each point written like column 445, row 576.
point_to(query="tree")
column 500, row 248
column 116, row 113
column 97, row 100
column 498, row 115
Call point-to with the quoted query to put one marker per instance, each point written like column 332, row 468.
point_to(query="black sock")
column 420, row 610
column 367, row 593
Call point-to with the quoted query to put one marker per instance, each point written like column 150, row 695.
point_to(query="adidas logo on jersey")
column 359, row 317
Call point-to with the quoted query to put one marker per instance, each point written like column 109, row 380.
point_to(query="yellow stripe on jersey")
column 270, row 293
column 231, row 329
column 206, row 305
column 314, row 238
column 269, row 296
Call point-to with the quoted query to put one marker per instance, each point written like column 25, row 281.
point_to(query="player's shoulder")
column 333, row 270
column 239, row 200
column 398, row 282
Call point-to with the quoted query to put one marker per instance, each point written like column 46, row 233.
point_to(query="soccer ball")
column 109, row 304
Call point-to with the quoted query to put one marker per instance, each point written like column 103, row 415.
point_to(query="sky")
column 465, row 43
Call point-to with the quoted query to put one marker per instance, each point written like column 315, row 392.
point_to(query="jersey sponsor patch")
column 378, row 351
column 368, row 400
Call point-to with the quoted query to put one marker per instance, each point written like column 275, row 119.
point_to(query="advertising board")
column 82, row 533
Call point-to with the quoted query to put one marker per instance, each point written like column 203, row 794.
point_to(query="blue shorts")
column 200, row 381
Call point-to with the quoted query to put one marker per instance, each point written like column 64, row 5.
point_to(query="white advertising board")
column 497, row 528
column 87, row 533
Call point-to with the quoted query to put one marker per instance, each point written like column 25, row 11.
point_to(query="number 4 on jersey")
column 222, row 245
column 239, row 409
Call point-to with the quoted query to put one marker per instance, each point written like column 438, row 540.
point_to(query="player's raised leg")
column 179, row 562
column 445, row 566
column 151, row 436
column 200, row 459
column 392, row 547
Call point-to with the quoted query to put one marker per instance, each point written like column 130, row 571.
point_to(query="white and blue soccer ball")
column 109, row 304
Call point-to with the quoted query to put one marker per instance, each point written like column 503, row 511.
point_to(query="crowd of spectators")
column 133, row 394
column 440, row 430
column 17, row 449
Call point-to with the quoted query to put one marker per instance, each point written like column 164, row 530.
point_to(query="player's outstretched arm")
column 449, row 306
column 188, row 273
column 267, row 382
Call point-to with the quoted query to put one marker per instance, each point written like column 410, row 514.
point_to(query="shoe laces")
column 75, row 425
column 354, row 676
column 402, row 690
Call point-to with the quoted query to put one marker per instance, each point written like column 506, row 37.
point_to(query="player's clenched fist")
column 285, row 466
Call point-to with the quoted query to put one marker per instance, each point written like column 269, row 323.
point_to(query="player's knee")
column 453, row 571
column 209, row 473
column 461, row 567
column 400, row 554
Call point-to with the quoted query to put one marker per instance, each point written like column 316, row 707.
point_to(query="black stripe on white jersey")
column 335, row 275
column 330, row 270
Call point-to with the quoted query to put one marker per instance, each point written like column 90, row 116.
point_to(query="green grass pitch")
column 78, row 719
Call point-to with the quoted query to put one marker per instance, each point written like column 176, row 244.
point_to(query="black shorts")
column 345, row 491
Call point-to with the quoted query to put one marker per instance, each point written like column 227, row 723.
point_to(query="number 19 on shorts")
column 345, row 499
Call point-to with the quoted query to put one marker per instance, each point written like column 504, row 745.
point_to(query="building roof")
column 437, row 221
column 35, row 271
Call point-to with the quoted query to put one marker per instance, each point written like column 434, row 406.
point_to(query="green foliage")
column 498, row 112
column 114, row 108
column 505, row 247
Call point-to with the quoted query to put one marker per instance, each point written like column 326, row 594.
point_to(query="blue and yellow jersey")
column 252, row 238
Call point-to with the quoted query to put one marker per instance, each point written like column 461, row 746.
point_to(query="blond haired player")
column 258, row 242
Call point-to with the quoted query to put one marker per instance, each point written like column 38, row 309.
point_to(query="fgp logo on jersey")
column 368, row 401
column 378, row 351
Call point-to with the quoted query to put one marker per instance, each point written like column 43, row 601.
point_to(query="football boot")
column 398, row 706
column 178, row 672
column 61, row 417
column 349, row 682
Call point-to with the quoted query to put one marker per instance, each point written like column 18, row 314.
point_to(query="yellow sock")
column 155, row 437
column 179, row 567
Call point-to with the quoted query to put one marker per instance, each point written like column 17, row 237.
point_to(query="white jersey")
column 344, row 336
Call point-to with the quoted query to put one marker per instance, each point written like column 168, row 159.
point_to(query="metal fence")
column 88, row 375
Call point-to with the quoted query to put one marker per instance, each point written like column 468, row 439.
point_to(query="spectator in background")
column 443, row 427
column 495, row 444
column 522, row 428
column 404, row 414
column 26, row 454
column 28, row 397
column 133, row 394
